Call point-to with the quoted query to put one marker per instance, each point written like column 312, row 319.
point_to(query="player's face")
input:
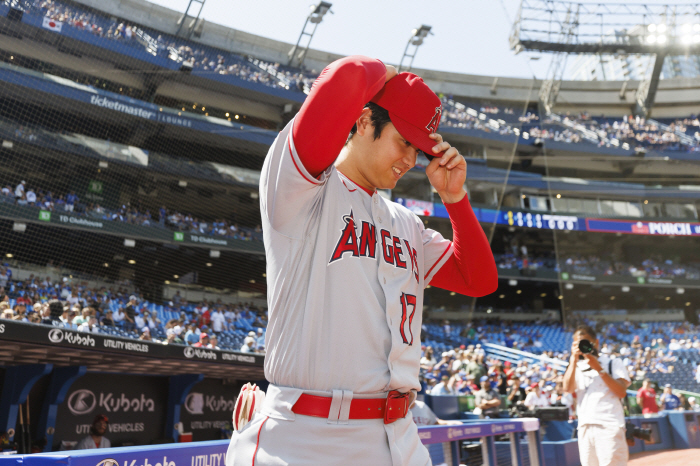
column 389, row 158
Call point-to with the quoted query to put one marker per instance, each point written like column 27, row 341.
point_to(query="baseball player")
column 346, row 270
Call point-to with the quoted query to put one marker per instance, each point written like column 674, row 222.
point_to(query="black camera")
column 586, row 347
column 633, row 432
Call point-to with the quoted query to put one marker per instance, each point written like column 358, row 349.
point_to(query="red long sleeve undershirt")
column 334, row 104
column 472, row 269
column 320, row 131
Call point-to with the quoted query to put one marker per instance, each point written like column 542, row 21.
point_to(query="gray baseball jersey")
column 346, row 272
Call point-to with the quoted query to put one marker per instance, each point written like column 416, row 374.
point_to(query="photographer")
column 599, row 384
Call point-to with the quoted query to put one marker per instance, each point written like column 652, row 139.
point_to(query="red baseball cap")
column 414, row 110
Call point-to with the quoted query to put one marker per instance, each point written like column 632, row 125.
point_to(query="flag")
column 52, row 25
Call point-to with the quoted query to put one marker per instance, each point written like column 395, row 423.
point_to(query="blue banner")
column 637, row 227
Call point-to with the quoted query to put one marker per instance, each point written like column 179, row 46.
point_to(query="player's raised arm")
column 335, row 102
column 472, row 269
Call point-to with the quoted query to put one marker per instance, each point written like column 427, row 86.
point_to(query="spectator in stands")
column 487, row 400
column 3, row 278
column 203, row 341
column 646, row 398
column 536, row 398
column 213, row 342
column 118, row 316
column 108, row 319
column 89, row 325
column 692, row 404
column 516, row 393
column 561, row 398
column 668, row 400
column 248, row 345
column 444, row 387
column 71, row 201
column 191, row 336
column 130, row 313
column 96, row 439
column 145, row 334
column 218, row 321
column 82, row 317
column 19, row 190
column 599, row 384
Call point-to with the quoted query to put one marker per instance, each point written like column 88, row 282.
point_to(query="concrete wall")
column 675, row 96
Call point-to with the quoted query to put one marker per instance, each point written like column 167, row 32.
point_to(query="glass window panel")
column 560, row 205
column 634, row 209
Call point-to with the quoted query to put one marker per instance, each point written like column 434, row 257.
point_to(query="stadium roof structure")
column 565, row 27
column 608, row 28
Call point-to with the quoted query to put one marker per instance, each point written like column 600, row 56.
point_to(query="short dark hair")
column 586, row 329
column 56, row 308
column 379, row 118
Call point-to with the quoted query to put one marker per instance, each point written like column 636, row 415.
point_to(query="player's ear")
column 364, row 122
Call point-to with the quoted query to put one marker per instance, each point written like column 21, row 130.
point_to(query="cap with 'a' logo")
column 414, row 110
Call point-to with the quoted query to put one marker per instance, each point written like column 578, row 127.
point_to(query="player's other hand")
column 448, row 173
column 390, row 72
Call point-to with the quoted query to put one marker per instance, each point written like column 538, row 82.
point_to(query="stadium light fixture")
column 318, row 11
column 209, row 264
column 9, row 256
column 519, row 291
column 214, row 254
column 680, row 290
column 687, row 304
column 106, row 264
column 132, row 261
column 625, row 289
column 418, row 35
column 569, row 286
column 513, row 282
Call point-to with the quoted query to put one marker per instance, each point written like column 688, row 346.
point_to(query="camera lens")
column 585, row 346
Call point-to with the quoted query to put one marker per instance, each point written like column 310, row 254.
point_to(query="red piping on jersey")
column 437, row 261
column 257, row 444
column 368, row 191
column 291, row 154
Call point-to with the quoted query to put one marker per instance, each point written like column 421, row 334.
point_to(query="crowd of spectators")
column 197, row 56
column 106, row 310
column 25, row 195
column 650, row 352
column 653, row 267
column 587, row 264
column 630, row 132
column 627, row 132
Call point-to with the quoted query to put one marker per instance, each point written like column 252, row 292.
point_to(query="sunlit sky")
column 470, row 36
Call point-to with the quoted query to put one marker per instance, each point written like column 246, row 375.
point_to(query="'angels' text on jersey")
column 364, row 244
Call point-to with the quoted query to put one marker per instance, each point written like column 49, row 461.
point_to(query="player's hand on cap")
column 448, row 173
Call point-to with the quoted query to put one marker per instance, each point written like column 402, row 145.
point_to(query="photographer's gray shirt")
column 595, row 402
